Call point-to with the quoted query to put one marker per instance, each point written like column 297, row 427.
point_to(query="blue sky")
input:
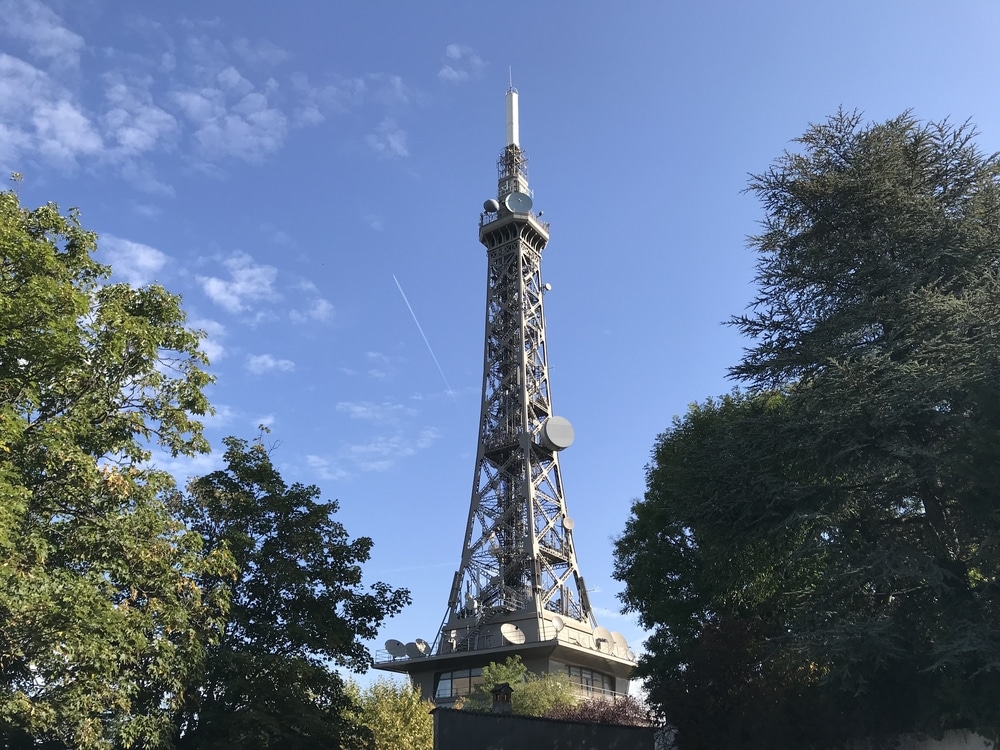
column 278, row 163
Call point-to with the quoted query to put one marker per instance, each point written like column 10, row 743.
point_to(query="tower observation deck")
column 518, row 588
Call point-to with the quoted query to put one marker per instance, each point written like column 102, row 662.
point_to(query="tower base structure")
column 590, row 662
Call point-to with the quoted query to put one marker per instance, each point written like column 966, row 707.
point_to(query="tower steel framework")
column 518, row 588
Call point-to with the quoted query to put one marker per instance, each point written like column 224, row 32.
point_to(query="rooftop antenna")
column 513, row 136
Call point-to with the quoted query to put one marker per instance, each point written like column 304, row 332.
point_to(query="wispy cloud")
column 248, row 282
column 382, row 453
column 42, row 30
column 325, row 469
column 260, row 52
column 319, row 311
column 232, row 118
column 462, row 63
column 135, row 263
column 39, row 119
column 368, row 410
column 388, row 139
column 134, row 125
column 259, row 364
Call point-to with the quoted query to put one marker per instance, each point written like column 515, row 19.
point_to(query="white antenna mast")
column 513, row 135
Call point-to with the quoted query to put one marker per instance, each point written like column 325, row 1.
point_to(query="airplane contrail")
column 420, row 328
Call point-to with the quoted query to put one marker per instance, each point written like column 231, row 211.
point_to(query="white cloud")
column 211, row 342
column 134, row 262
column 42, row 30
column 343, row 95
column 388, row 139
column 319, row 311
column 259, row 364
column 464, row 64
column 374, row 221
column 133, row 124
column 453, row 75
column 63, row 131
column 324, row 468
column 38, row 118
column 382, row 453
column 231, row 117
column 265, row 420
column 262, row 52
column 224, row 414
column 367, row 410
column 248, row 282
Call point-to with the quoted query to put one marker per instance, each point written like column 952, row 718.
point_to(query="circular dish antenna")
column 557, row 433
column 512, row 633
column 518, row 203
column 412, row 651
column 396, row 649
column 491, row 206
column 422, row 646
column 630, row 655
column 569, row 524
column 621, row 645
column 558, row 623
column 603, row 639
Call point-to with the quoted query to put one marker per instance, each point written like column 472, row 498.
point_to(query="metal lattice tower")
column 518, row 552
column 518, row 587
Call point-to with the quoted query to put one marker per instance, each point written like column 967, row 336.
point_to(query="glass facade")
column 590, row 683
column 457, row 683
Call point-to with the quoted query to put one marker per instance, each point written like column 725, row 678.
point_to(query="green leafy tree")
column 298, row 610
column 534, row 694
column 101, row 616
column 833, row 537
column 391, row 716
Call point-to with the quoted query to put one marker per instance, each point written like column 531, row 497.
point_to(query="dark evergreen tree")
column 824, row 552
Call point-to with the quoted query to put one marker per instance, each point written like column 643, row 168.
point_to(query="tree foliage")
column 101, row 620
column 534, row 694
column 297, row 610
column 821, row 555
column 623, row 711
column 391, row 716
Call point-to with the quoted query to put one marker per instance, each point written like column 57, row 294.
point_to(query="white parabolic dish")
column 557, row 433
column 512, row 633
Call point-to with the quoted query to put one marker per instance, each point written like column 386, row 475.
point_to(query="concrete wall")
column 471, row 730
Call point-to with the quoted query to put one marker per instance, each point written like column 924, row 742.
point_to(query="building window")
column 590, row 683
column 457, row 683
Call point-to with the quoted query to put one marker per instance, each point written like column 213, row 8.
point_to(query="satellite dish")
column 557, row 433
column 621, row 645
column 568, row 523
column 491, row 206
column 412, row 651
column 630, row 655
column 396, row 649
column 603, row 639
column 518, row 203
column 512, row 633
column 546, row 287
column 422, row 646
column 557, row 623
